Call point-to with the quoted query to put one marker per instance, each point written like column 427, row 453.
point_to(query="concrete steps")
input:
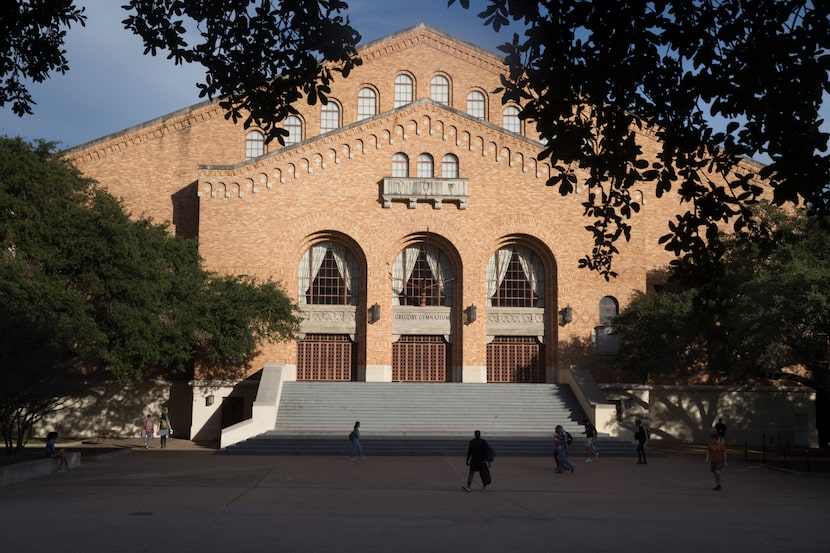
column 403, row 419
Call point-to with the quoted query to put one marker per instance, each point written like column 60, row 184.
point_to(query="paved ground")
column 187, row 499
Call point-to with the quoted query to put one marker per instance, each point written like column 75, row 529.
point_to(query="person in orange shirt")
column 716, row 457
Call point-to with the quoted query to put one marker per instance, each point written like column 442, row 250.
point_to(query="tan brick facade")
column 259, row 217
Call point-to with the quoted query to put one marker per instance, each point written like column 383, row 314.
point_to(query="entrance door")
column 420, row 359
column 325, row 357
column 515, row 359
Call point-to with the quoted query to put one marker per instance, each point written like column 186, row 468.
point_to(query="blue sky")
column 112, row 86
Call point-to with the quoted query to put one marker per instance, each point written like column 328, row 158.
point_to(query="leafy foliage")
column 85, row 291
column 593, row 75
column 31, row 46
column 764, row 314
column 259, row 56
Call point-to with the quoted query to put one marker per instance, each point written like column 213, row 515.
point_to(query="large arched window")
column 609, row 308
column 404, row 90
column 329, row 117
column 439, row 89
column 294, row 126
column 425, row 166
column 422, row 276
column 449, row 167
column 476, row 104
column 515, row 278
column 254, row 144
column 328, row 275
column 367, row 103
column 510, row 119
column 400, row 165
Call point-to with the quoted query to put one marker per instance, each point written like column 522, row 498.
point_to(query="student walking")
column 641, row 436
column 720, row 430
column 591, row 449
column 354, row 436
column 478, row 462
column 148, row 429
column 561, row 447
column 165, row 429
column 716, row 458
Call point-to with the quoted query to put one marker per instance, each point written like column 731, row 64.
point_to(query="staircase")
column 399, row 418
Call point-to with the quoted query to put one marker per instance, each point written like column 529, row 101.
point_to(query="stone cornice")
column 389, row 131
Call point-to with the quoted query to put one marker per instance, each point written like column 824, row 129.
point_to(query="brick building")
column 408, row 217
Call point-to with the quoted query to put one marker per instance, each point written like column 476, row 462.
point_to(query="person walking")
column 477, row 461
column 148, row 430
column 354, row 436
column 716, row 458
column 641, row 436
column 720, row 430
column 561, row 446
column 591, row 449
column 165, row 429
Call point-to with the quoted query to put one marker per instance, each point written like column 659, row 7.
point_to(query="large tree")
column 88, row 291
column 716, row 80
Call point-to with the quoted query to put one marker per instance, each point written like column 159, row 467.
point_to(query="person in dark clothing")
column 641, row 435
column 477, row 461
column 720, row 430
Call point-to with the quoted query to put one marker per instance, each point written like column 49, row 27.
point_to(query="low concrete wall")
column 264, row 412
column 687, row 414
column 20, row 472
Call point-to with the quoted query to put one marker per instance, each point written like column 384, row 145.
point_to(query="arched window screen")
column 609, row 308
column 449, row 167
column 404, row 89
column 254, row 144
column 367, row 103
column 400, row 165
column 476, row 104
column 422, row 276
column 425, row 166
column 295, row 130
column 510, row 119
column 329, row 117
column 439, row 89
column 515, row 278
column 327, row 275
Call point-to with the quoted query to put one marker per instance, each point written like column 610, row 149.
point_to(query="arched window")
column 449, row 167
column 328, row 275
column 422, row 276
column 294, row 126
column 609, row 308
column 254, row 144
column 476, row 104
column 425, row 166
column 329, row 117
column 404, row 90
column 515, row 278
column 400, row 165
column 510, row 119
column 367, row 103
column 439, row 89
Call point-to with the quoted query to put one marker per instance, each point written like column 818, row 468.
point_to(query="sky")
column 112, row 85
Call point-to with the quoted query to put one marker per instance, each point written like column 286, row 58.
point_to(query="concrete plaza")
column 187, row 499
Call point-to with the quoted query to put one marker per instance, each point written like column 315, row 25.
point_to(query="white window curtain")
column 533, row 271
column 341, row 258
column 310, row 264
column 439, row 265
column 496, row 269
column 402, row 270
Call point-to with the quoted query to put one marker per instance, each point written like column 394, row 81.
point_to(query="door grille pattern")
column 515, row 359
column 420, row 359
column 325, row 357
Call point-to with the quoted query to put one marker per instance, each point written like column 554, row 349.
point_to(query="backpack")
column 490, row 455
column 351, row 436
column 570, row 438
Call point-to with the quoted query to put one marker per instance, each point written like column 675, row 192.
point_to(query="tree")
column 86, row 291
column 590, row 75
